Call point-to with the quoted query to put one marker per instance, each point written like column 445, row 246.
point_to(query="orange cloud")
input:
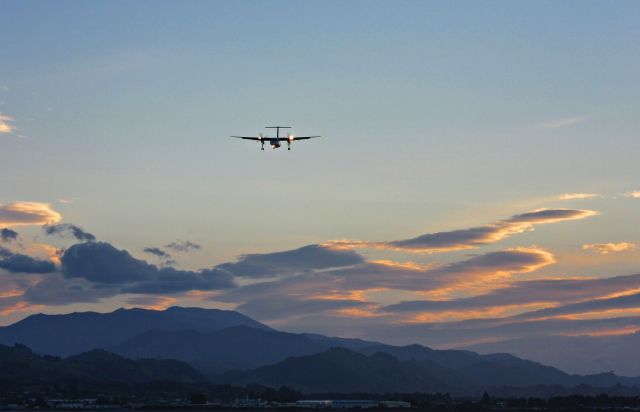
column 471, row 238
column 152, row 302
column 577, row 196
column 18, row 307
column 485, row 313
column 357, row 313
column 5, row 124
column 605, row 332
column 596, row 314
column 401, row 265
column 45, row 251
column 488, row 272
column 27, row 213
column 10, row 293
column 606, row 248
column 634, row 193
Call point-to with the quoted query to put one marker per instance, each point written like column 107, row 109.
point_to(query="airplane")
column 275, row 141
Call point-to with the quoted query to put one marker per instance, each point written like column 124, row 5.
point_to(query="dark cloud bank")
column 19, row 263
column 106, row 266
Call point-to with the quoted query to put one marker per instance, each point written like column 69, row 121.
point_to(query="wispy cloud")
column 564, row 122
column 290, row 262
column 179, row 246
column 547, row 292
column 471, row 238
column 606, row 248
column 157, row 252
column 27, row 213
column 633, row 193
column 6, row 124
column 577, row 196
column 8, row 235
column 151, row 302
column 345, row 292
column 67, row 229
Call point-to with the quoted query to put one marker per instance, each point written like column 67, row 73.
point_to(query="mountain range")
column 228, row 347
column 21, row 366
column 73, row 333
column 575, row 354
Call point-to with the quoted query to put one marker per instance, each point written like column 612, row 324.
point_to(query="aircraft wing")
column 284, row 139
column 250, row 138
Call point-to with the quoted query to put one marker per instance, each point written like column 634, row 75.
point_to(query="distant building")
column 72, row 403
column 354, row 404
column 350, row 404
column 395, row 404
column 314, row 404
column 249, row 403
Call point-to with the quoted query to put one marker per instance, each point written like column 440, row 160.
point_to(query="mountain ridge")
column 217, row 342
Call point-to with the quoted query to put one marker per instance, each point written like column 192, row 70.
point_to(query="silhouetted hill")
column 575, row 354
column 500, row 369
column 19, row 365
column 493, row 369
column 215, row 341
column 237, row 347
column 507, row 370
column 448, row 358
column 73, row 333
column 332, row 341
column 343, row 370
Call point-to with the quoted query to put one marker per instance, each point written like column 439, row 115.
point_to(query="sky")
column 476, row 178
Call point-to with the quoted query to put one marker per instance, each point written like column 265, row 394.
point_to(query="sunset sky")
column 477, row 177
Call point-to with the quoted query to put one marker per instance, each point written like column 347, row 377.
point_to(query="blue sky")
column 434, row 116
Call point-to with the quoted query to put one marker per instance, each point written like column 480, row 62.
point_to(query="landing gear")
column 262, row 148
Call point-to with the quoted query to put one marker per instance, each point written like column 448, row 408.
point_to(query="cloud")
column 28, row 213
column 467, row 332
column 606, row 248
column 633, row 193
column 577, row 196
column 64, row 229
column 594, row 307
column 526, row 293
column 168, row 280
column 103, row 264
column 287, row 307
column 151, row 302
column 493, row 266
column 6, row 125
column 347, row 287
column 157, row 252
column 474, row 237
column 179, row 246
column 564, row 122
column 55, row 290
column 542, row 216
column 304, row 259
column 7, row 235
column 19, row 263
